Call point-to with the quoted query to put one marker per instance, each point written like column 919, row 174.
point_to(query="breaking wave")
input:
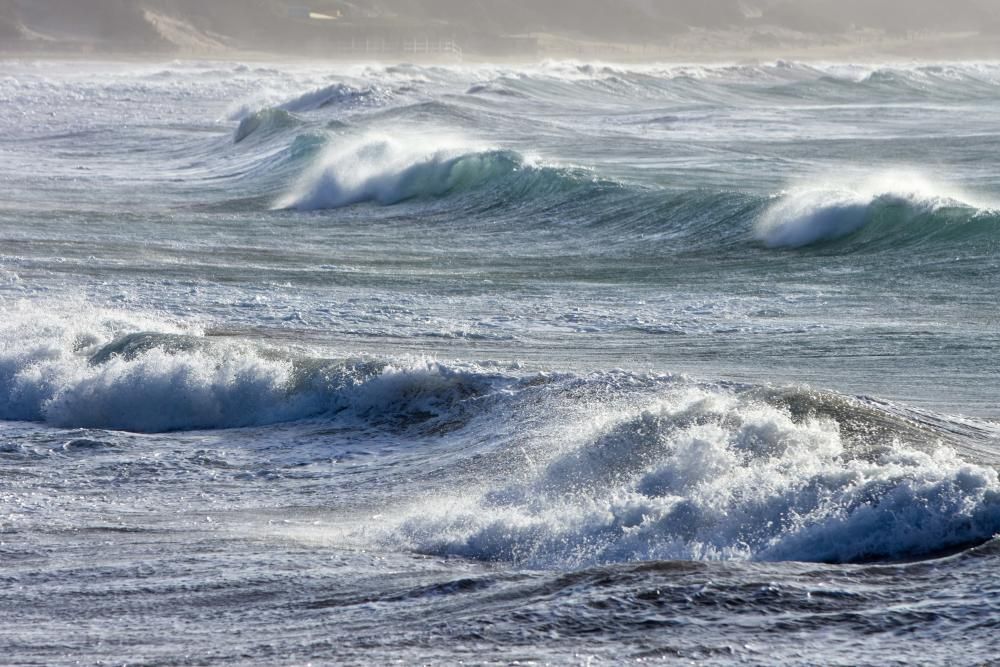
column 708, row 474
column 565, row 470
column 109, row 371
column 895, row 209
column 389, row 170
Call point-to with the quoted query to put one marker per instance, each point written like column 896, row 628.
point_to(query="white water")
column 709, row 475
column 318, row 363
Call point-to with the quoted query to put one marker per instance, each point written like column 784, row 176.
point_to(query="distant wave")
column 340, row 166
column 388, row 170
column 491, row 88
column 338, row 94
column 900, row 209
column 265, row 122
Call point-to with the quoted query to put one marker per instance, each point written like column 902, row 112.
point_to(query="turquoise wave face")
column 388, row 171
column 593, row 469
column 891, row 221
column 344, row 145
column 343, row 167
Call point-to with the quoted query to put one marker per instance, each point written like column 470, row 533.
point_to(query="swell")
column 299, row 155
column 548, row 471
column 340, row 166
column 892, row 213
column 888, row 213
column 338, row 96
column 390, row 169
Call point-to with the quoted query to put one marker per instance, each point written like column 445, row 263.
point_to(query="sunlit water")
column 564, row 364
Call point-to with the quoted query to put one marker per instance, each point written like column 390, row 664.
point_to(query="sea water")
column 572, row 363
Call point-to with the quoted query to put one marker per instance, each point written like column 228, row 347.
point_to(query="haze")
column 459, row 29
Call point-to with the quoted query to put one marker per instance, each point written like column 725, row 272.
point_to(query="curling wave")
column 264, row 123
column 389, row 170
column 703, row 473
column 897, row 209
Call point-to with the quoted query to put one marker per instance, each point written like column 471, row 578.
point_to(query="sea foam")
column 609, row 467
column 706, row 474
column 127, row 372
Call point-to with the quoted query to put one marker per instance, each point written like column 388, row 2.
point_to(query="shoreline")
column 938, row 48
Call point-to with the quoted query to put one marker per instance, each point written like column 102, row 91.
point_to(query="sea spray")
column 707, row 474
column 391, row 169
column 903, row 204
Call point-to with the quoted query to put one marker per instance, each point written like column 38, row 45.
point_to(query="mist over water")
column 570, row 362
column 522, row 30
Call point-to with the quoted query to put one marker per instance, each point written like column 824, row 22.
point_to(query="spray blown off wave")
column 709, row 474
column 604, row 468
column 339, row 95
column 894, row 208
column 388, row 170
column 110, row 371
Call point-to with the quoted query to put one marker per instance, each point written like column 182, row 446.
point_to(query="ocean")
column 572, row 363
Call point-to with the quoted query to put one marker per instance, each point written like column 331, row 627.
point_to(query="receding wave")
column 389, row 170
column 896, row 211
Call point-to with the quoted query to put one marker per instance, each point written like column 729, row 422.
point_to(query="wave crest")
column 101, row 372
column 709, row 474
column 265, row 122
column 337, row 95
column 388, row 170
column 895, row 207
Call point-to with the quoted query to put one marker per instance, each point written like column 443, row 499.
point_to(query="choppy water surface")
column 561, row 364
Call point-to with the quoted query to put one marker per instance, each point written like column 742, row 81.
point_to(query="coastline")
column 702, row 47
